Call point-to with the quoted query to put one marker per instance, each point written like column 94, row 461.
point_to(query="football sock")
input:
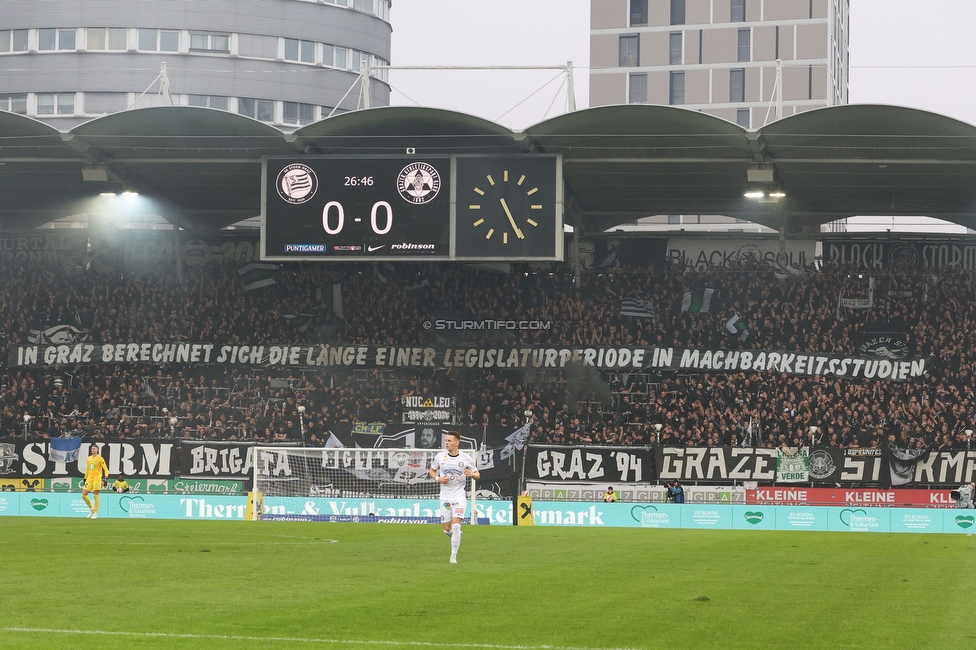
column 455, row 539
column 96, row 502
column 85, row 497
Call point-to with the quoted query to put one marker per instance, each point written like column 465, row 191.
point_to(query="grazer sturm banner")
column 947, row 467
column 612, row 465
column 760, row 464
column 716, row 464
column 624, row 359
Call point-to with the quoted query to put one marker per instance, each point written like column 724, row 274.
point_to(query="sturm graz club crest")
column 419, row 183
column 821, row 465
column 902, row 255
column 296, row 183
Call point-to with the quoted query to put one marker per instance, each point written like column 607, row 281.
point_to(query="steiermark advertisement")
column 545, row 513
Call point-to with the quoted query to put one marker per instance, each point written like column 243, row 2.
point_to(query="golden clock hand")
column 518, row 233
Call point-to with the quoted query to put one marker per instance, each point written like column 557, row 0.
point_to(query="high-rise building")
column 284, row 62
column 719, row 56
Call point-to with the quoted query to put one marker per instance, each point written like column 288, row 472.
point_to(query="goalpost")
column 341, row 473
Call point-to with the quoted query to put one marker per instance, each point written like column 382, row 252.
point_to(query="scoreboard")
column 463, row 208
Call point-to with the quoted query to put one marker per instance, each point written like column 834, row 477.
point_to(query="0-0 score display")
column 400, row 208
column 344, row 208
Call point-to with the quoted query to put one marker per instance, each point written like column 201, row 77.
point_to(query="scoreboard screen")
column 413, row 208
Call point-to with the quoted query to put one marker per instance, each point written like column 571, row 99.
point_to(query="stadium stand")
column 385, row 305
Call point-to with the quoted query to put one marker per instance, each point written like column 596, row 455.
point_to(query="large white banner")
column 625, row 359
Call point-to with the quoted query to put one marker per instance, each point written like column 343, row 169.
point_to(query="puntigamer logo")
column 297, row 183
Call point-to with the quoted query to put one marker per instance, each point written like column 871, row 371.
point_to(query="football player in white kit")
column 451, row 469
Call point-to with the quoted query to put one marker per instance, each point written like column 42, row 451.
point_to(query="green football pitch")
column 69, row 583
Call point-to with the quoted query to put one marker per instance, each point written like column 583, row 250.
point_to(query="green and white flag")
column 792, row 465
column 698, row 301
column 257, row 276
column 736, row 325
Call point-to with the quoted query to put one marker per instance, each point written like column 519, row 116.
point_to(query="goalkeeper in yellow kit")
column 96, row 477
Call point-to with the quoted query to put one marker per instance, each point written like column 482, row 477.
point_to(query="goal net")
column 346, row 474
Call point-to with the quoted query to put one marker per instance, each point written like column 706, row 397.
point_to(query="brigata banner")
column 614, row 465
column 623, row 359
column 793, row 496
column 217, row 460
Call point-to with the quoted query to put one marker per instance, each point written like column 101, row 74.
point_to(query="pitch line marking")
column 308, row 542
column 230, row 637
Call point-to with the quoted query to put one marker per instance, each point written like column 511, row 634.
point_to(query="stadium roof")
column 202, row 167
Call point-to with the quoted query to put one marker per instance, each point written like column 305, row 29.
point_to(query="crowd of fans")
column 782, row 309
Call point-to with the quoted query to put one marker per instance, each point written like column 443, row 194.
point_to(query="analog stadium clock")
column 507, row 208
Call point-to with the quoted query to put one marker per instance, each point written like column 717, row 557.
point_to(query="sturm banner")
column 625, row 359
column 134, row 458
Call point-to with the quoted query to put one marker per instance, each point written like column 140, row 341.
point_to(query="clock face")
column 506, row 208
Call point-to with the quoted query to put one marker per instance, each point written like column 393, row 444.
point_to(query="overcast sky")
column 899, row 55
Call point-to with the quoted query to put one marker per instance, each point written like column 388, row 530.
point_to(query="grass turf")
column 140, row 584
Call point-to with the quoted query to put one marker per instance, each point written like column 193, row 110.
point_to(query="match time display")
column 478, row 208
column 356, row 208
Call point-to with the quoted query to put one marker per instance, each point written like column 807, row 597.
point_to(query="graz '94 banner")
column 621, row 359
column 604, row 464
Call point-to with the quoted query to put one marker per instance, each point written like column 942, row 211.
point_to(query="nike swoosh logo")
column 375, row 248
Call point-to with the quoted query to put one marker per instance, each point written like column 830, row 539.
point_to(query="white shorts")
column 453, row 509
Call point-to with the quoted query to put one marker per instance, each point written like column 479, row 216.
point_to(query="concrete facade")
column 284, row 62
column 721, row 55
